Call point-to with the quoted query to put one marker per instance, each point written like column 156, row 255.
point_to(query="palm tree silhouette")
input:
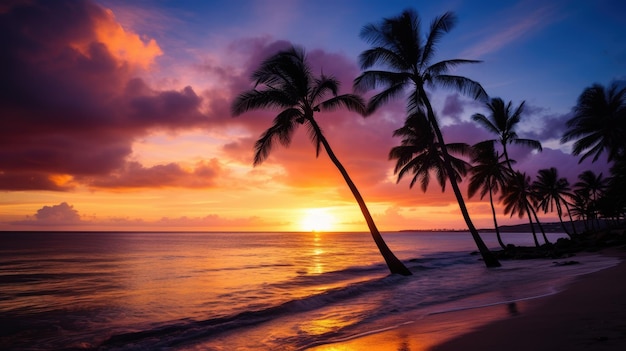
column 599, row 123
column 489, row 175
column 420, row 154
column 515, row 198
column 397, row 43
column 580, row 208
column 503, row 123
column 550, row 191
column 615, row 194
column 590, row 187
column 285, row 81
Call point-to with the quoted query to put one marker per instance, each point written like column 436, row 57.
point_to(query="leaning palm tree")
column 503, row 122
column 489, row 175
column 420, row 154
column 397, row 44
column 551, row 191
column 285, row 81
column 599, row 123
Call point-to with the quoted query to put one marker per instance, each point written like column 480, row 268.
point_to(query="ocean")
column 247, row 291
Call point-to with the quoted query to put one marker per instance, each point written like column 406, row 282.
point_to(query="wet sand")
column 590, row 314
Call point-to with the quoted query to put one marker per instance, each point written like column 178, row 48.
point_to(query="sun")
column 317, row 220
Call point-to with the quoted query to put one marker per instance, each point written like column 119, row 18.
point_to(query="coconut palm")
column 284, row 81
column 515, row 199
column 489, row 175
column 398, row 45
column 502, row 121
column 420, row 154
column 616, row 187
column 599, row 123
column 551, row 191
column 580, row 208
column 590, row 187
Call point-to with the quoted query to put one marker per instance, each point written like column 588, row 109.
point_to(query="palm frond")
column 486, row 123
column 381, row 55
column 516, row 116
column 282, row 129
column 438, row 27
column 371, row 34
column 256, row 99
column 443, row 67
column 370, row 80
column 314, row 131
column 381, row 98
column 462, row 84
column 533, row 144
column 351, row 102
column 462, row 149
column 323, row 86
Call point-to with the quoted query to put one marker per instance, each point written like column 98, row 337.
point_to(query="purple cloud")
column 61, row 214
column 70, row 101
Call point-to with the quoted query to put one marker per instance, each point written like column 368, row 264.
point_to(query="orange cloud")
column 125, row 46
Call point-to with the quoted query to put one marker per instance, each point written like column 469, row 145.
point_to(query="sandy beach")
column 589, row 314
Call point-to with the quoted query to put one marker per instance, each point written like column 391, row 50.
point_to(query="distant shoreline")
column 548, row 227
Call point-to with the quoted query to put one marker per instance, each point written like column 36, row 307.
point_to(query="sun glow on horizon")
column 317, row 220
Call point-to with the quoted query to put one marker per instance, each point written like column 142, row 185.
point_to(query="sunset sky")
column 115, row 115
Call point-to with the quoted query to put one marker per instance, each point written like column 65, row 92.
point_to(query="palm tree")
column 515, row 199
column 591, row 187
column 580, row 208
column 420, row 154
column 489, row 175
column 285, row 81
column 599, row 123
column 503, row 123
column 551, row 191
column 616, row 187
column 397, row 43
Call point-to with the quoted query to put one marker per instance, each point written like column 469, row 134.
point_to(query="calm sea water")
column 245, row 291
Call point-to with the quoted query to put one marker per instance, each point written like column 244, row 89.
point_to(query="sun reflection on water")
column 323, row 326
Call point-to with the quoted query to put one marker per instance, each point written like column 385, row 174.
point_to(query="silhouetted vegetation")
column 284, row 81
column 402, row 59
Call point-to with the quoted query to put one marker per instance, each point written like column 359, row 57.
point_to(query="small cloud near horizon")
column 66, row 216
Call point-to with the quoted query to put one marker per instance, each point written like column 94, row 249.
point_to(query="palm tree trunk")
column 393, row 263
column 495, row 222
column 488, row 257
column 543, row 232
column 559, row 211
column 529, row 208
column 532, row 227
column 569, row 213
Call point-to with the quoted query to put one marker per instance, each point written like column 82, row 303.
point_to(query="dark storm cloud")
column 69, row 98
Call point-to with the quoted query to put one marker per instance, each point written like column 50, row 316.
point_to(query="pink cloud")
column 134, row 176
column 519, row 24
